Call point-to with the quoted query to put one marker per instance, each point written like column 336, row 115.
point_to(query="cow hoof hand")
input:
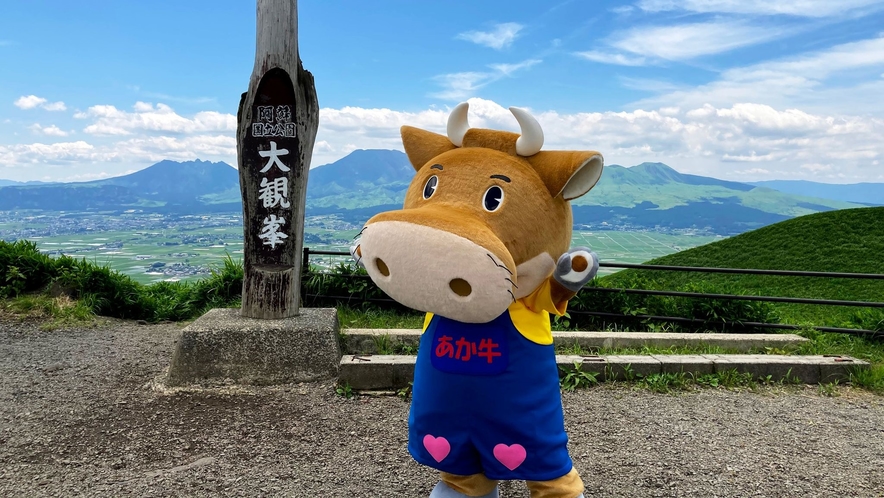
column 356, row 253
column 576, row 267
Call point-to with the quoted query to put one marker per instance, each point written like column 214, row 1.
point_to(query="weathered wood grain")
column 272, row 280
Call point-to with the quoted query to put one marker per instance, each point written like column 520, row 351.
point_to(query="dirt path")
column 78, row 416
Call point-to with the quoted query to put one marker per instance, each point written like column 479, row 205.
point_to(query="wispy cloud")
column 33, row 101
column 501, row 37
column 801, row 8
column 622, row 10
column 687, row 41
column 805, row 80
column 508, row 69
column 609, row 58
column 6, row 43
column 459, row 86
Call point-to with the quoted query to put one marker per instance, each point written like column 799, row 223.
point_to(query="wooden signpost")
column 276, row 128
column 270, row 340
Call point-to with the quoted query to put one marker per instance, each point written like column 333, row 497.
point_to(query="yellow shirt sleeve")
column 530, row 314
column 541, row 300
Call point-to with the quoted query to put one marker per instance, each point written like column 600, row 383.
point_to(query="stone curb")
column 366, row 341
column 395, row 371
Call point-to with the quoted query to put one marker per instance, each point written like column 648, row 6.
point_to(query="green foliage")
column 98, row 290
column 664, row 382
column 344, row 390
column 347, row 283
column 405, row 392
column 23, row 268
column 577, row 378
column 56, row 312
column 850, row 240
column 829, row 390
column 710, row 314
column 371, row 317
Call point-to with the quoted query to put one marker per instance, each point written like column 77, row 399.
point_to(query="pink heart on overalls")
column 510, row 456
column 437, row 446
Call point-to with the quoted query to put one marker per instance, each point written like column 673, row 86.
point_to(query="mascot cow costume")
column 482, row 246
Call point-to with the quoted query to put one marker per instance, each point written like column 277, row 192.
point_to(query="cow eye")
column 493, row 198
column 430, row 187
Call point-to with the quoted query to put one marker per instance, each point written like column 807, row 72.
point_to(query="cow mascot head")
column 482, row 245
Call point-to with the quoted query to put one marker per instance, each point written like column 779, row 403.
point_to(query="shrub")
column 109, row 293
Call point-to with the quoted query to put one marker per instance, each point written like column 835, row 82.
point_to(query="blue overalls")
column 487, row 400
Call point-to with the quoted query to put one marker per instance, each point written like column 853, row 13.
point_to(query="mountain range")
column 649, row 195
column 166, row 186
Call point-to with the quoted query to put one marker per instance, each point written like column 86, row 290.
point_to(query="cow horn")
column 458, row 124
column 532, row 134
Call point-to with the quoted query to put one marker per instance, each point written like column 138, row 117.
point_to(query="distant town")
column 152, row 247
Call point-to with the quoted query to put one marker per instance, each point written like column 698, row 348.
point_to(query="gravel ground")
column 81, row 414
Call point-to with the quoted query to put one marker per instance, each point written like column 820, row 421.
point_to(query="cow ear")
column 422, row 146
column 569, row 173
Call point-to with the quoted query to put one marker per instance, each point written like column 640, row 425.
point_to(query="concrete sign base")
column 222, row 346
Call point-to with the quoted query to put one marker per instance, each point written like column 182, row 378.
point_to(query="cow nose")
column 460, row 287
column 382, row 267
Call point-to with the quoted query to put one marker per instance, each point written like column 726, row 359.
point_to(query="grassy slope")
column 839, row 241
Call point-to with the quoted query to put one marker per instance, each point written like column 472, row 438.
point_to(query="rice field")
column 151, row 249
column 616, row 246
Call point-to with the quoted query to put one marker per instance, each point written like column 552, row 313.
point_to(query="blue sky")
column 737, row 89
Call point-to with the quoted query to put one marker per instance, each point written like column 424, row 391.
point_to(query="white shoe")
column 443, row 490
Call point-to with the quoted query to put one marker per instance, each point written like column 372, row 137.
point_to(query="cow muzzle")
column 437, row 271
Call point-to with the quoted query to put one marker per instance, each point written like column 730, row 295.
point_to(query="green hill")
column 850, row 240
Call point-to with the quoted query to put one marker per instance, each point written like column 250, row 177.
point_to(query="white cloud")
column 803, row 8
column 686, row 41
column 459, row 86
column 607, row 58
column 108, row 120
column 743, row 141
column 51, row 130
column 147, row 134
column 37, row 153
column 29, row 102
column 502, row 36
column 141, row 150
column 32, row 101
column 55, row 106
column 708, row 141
column 5, row 43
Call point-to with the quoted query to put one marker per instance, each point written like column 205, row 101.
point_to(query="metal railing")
column 697, row 295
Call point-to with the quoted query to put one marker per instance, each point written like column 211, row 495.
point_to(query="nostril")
column 460, row 287
column 382, row 267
